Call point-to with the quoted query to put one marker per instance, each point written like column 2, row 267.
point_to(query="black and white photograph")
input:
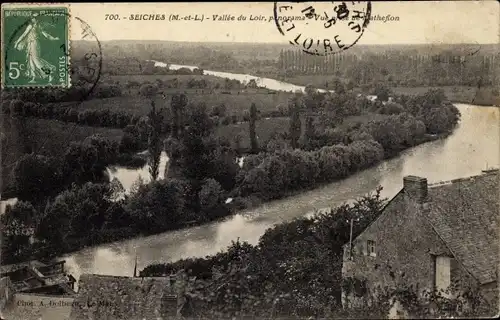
column 250, row 160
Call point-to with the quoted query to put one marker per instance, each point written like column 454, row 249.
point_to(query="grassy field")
column 462, row 94
column 459, row 94
column 267, row 126
column 263, row 127
column 317, row 81
column 48, row 136
column 235, row 103
column 183, row 79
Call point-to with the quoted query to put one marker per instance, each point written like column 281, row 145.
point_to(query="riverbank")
column 369, row 152
column 236, row 207
column 476, row 95
column 253, row 202
column 441, row 160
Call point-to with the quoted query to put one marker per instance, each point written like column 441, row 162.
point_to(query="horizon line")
column 284, row 43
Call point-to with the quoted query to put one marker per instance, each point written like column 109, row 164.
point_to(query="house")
column 133, row 298
column 35, row 290
column 37, row 277
column 433, row 237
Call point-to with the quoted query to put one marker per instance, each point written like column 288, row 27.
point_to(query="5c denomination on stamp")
column 322, row 28
column 32, row 38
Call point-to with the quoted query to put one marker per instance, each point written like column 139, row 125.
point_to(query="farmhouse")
column 440, row 237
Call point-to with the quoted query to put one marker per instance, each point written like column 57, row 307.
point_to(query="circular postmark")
column 81, row 63
column 322, row 28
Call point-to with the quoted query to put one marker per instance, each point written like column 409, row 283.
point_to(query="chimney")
column 415, row 188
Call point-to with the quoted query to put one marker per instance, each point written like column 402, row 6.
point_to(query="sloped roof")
column 41, row 307
column 16, row 266
column 112, row 297
column 465, row 214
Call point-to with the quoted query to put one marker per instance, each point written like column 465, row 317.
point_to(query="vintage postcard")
column 272, row 160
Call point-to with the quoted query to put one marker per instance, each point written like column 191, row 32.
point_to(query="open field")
column 267, row 126
column 461, row 94
column 263, row 127
column 183, row 79
column 235, row 103
column 49, row 137
column 317, row 81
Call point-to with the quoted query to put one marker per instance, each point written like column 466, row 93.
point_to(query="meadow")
column 460, row 94
column 266, row 127
column 152, row 78
column 477, row 95
column 237, row 103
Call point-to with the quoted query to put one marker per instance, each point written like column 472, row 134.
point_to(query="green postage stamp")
column 35, row 46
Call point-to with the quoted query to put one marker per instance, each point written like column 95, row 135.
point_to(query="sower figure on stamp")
column 36, row 66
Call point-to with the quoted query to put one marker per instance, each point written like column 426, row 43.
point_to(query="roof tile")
column 465, row 214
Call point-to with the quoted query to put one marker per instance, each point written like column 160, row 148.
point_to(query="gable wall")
column 405, row 244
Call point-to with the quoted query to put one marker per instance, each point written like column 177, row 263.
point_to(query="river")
column 474, row 146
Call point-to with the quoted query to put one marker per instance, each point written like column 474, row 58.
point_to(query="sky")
column 414, row 22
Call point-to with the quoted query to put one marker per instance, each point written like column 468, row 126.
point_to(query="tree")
column 309, row 133
column 295, row 124
column 37, row 177
column 333, row 109
column 174, row 149
column 210, row 196
column 338, row 86
column 252, row 84
column 154, row 141
column 382, row 92
column 117, row 189
column 148, row 90
column 218, row 111
column 17, row 229
column 199, row 146
column 178, row 105
column 75, row 216
column 253, row 135
column 159, row 206
column 87, row 160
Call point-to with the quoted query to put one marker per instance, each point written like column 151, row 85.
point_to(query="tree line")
column 396, row 68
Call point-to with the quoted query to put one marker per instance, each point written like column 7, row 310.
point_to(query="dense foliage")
column 295, row 268
column 328, row 149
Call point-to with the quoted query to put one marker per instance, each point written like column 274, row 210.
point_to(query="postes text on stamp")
column 322, row 28
column 34, row 45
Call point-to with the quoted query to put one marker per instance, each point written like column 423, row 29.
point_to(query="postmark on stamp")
column 34, row 46
column 322, row 28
